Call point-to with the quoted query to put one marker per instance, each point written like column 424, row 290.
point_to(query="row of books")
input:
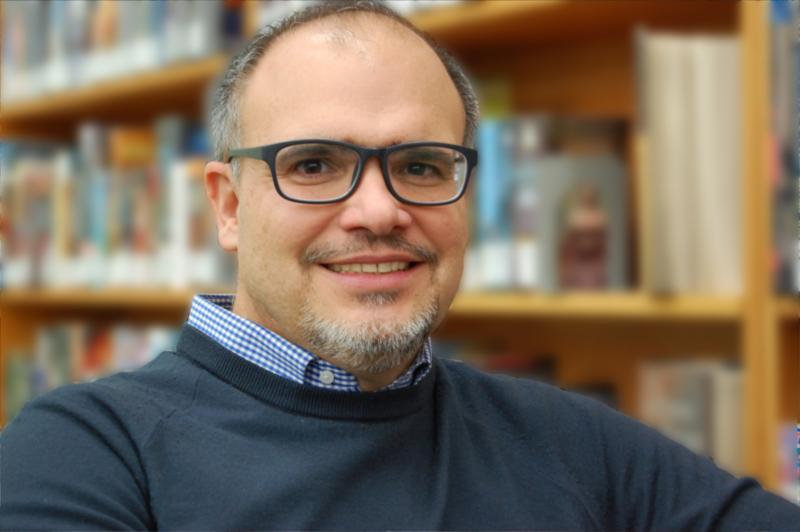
column 125, row 207
column 54, row 46
column 690, row 163
column 785, row 144
column 76, row 352
column 550, row 211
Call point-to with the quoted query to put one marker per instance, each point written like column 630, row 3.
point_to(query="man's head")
column 355, row 73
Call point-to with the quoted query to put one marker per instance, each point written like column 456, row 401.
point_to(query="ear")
column 222, row 190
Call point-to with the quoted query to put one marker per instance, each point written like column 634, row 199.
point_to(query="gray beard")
column 370, row 347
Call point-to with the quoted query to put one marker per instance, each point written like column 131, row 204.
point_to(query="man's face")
column 376, row 87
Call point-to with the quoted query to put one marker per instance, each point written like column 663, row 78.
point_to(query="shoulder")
column 73, row 457
column 132, row 402
column 529, row 398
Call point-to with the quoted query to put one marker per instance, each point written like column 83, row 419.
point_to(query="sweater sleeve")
column 649, row 482
column 69, row 461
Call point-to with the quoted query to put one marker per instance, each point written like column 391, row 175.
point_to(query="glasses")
column 327, row 171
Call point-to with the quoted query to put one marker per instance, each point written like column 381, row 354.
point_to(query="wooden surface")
column 635, row 306
column 761, row 376
column 498, row 23
column 567, row 305
column 788, row 309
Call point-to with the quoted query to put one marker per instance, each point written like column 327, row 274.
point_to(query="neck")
column 373, row 383
column 368, row 382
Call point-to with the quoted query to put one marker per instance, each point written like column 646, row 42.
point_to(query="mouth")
column 357, row 275
column 373, row 268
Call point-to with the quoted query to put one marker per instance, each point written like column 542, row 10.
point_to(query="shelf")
column 127, row 298
column 789, row 308
column 471, row 26
column 615, row 306
column 136, row 96
column 572, row 305
column 474, row 25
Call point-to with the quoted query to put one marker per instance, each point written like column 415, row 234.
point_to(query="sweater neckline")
column 298, row 398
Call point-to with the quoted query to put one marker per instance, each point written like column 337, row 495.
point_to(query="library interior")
column 633, row 221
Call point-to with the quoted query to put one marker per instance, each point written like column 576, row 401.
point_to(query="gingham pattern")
column 211, row 314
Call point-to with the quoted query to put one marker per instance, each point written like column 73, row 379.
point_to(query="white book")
column 729, row 260
column 727, row 420
column 497, row 263
column 179, row 225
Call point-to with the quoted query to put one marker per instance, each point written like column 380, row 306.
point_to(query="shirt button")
column 326, row 377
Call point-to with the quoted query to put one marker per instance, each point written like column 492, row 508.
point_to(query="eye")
column 422, row 170
column 313, row 166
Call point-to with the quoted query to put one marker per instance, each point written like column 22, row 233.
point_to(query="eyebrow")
column 428, row 154
column 314, row 149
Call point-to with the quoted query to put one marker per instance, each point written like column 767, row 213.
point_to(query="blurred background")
column 634, row 216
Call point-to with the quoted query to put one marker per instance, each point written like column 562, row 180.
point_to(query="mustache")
column 368, row 242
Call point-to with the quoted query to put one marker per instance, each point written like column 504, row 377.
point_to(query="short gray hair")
column 224, row 119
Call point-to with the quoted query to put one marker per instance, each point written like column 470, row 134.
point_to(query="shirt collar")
column 212, row 314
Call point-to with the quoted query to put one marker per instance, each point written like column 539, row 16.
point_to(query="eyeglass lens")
column 319, row 172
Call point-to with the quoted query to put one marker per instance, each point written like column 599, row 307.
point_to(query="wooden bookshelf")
column 618, row 306
column 602, row 306
column 789, row 309
column 559, row 54
column 474, row 25
column 118, row 298
column 139, row 96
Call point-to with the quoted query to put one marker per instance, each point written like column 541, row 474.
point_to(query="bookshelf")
column 562, row 56
column 140, row 96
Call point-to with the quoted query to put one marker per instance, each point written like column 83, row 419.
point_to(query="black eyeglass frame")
column 268, row 153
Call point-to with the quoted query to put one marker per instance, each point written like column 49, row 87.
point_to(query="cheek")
column 448, row 232
column 277, row 233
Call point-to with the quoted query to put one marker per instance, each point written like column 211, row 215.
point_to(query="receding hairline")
column 347, row 29
column 340, row 23
column 347, row 19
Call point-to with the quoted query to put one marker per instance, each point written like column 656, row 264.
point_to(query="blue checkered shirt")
column 212, row 315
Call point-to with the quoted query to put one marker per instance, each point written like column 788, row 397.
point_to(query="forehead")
column 367, row 80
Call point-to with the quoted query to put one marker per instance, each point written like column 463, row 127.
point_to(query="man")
column 311, row 400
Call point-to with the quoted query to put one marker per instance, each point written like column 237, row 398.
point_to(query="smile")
column 375, row 268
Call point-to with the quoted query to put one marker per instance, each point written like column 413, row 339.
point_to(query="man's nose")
column 372, row 206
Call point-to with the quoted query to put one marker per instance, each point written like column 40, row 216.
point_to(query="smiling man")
column 310, row 398
column 368, row 245
column 353, row 255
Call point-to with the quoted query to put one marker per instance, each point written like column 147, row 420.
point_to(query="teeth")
column 381, row 267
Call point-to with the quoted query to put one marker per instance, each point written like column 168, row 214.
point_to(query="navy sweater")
column 202, row 439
